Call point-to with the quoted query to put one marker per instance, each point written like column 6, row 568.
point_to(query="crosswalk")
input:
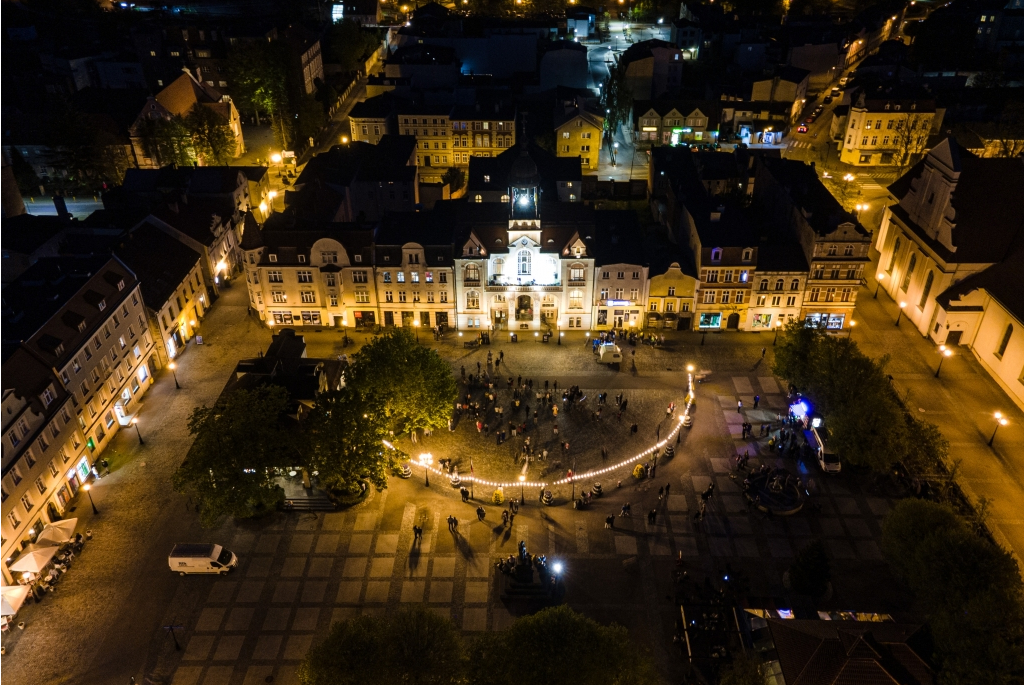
column 800, row 144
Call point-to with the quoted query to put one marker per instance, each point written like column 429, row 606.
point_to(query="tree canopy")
column 969, row 588
column 238, row 442
column 559, row 645
column 867, row 424
column 415, row 646
column 345, row 440
column 413, row 386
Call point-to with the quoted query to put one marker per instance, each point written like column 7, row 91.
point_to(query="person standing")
column 609, row 521
column 757, row 400
column 764, row 350
column 739, row 406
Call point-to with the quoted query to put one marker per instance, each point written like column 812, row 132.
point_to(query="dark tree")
column 237, row 444
column 212, row 139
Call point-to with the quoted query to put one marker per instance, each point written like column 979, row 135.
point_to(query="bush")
column 498, row 497
column 811, row 573
column 970, row 589
column 639, row 471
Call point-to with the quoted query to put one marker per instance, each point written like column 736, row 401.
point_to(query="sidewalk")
column 962, row 403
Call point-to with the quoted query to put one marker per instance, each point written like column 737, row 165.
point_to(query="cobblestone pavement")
column 299, row 572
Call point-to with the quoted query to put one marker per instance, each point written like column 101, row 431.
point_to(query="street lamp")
column 135, row 422
column 416, row 325
column 944, row 352
column 426, row 459
column 878, row 283
column 615, row 149
column 898, row 316
column 88, row 487
column 172, row 366
column 1000, row 421
column 522, row 480
column 276, row 159
column 703, row 332
column 778, row 325
column 852, row 324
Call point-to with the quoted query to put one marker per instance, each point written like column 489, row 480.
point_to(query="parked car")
column 827, row 100
column 836, row 91
column 201, row 558
column 818, row 443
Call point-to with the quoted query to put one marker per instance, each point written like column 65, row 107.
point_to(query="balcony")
column 524, row 284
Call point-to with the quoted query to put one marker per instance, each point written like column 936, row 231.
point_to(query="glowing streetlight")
column 903, row 305
column 272, row 194
column 689, row 368
column 416, row 325
column 943, row 353
column 88, row 489
column 135, row 422
column 172, row 366
column 1000, row 421
column 522, row 480
column 878, row 283
column 275, row 158
column 426, row 459
column 778, row 325
column 852, row 325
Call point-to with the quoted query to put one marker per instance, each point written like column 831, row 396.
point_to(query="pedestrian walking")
column 417, row 532
column 739, row 406
column 661, row 493
column 511, row 519
column 652, row 516
column 465, row 494
column 609, row 521
column 757, row 400
column 667, row 486
column 626, row 510
column 501, row 355
column 504, row 518
column 633, row 429
column 764, row 351
column 625, row 403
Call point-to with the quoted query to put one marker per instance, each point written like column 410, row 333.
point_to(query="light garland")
column 588, row 474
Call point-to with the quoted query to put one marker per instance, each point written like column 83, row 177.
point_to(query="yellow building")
column 670, row 299
column 578, row 133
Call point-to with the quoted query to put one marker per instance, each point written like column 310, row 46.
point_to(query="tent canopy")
column 34, row 559
column 58, row 532
column 13, row 597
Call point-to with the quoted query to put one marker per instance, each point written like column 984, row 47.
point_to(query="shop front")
column 708, row 320
column 826, row 321
column 365, row 319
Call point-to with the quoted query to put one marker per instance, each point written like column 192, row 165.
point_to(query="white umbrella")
column 57, row 533
column 34, row 559
column 13, row 597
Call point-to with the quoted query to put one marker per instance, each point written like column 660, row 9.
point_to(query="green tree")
column 348, row 45
column 455, row 178
column 413, row 384
column 259, row 73
column 617, row 98
column 811, row 572
column 237, row 443
column 345, row 435
column 168, row 141
column 413, row 646
column 310, row 118
column 743, row 670
column 212, row 139
column 969, row 588
column 559, row 645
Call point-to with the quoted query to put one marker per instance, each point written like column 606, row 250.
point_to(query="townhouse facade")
column 674, row 122
column 579, row 134
column 670, row 299
column 887, row 131
column 85, row 358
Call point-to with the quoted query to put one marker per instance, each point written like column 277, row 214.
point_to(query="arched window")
column 832, row 249
column 748, row 254
column 472, row 300
column 895, row 253
column 795, row 285
column 763, row 285
column 499, row 267
column 472, row 273
column 478, row 198
column 716, row 254
column 910, row 272
column 1005, row 341
column 927, row 288
column 779, row 284
column 525, row 262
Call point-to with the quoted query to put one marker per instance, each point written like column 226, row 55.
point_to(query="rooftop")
column 160, row 262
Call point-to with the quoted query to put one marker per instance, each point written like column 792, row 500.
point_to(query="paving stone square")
column 277, row 618
column 306, row 618
column 474, row 620
column 300, row 544
column 222, row 592
column 218, row 675
column 841, row 549
column 256, row 674
column 250, row 591
column 387, row 543
column 831, row 527
column 187, row 675
column 294, row 566
column 625, row 544
column 334, row 521
column 687, row 546
column 297, row 646
column 268, row 544
column 747, row 547
column 780, row 548
column 412, row 590
column 382, row 567
column 239, row 618
column 314, row 591
column 259, row 567
column 444, row 567
column 285, row 592
column 199, row 647
column 327, row 544
column 319, row 567
column 365, row 521
column 229, row 647
column 476, row 592
column 858, row 528
column 377, row 592
column 355, row 567
column 267, row 647
column 360, row 544
column 210, row 619
column 441, row 591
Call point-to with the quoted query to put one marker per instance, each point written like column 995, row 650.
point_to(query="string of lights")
column 426, row 460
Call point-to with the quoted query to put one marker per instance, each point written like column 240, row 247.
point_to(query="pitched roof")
column 492, row 173
column 26, row 233
column 1004, row 282
column 818, row 206
column 198, row 217
column 183, row 93
column 160, row 262
column 643, row 50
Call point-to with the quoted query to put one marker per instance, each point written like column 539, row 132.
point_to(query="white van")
column 201, row 558
column 609, row 353
column 827, row 459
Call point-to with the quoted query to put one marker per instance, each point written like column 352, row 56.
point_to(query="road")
column 78, row 207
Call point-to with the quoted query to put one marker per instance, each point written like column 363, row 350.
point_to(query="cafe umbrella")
column 58, row 532
column 12, row 599
column 34, row 559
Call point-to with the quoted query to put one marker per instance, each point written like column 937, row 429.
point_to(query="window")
column 525, row 266
column 779, row 284
column 575, row 299
column 472, row 274
column 848, row 251
column 634, row 294
column 362, row 297
column 716, row 254
column 604, row 293
column 472, row 300
column 13, row 519
column 748, row 254
column 386, row 277
column 576, row 273
column 389, row 296
column 815, row 295
column 329, row 257
column 791, row 301
column 305, row 276
column 895, row 253
column 832, row 250
column 1007, row 334
column 671, row 291
column 443, row 295
column 308, row 297
column 359, row 277
column 26, row 502
column 830, row 294
column 763, row 284
column 712, row 276
column 761, row 300
column 725, row 297
column 415, row 276
column 795, row 285
column 929, row 279
column 910, row 272
column 279, row 297
column 442, row 277
column 709, row 297
column 330, row 280
column 274, row 277
column 273, row 257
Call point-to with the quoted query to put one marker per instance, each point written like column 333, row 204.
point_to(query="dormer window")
column 358, row 258
column 101, row 305
column 748, row 254
column 487, row 178
column 302, row 259
column 273, row 257
column 120, row 284
column 716, row 254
